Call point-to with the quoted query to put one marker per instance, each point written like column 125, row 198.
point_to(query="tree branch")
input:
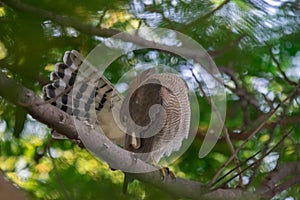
column 224, row 49
column 207, row 15
column 254, row 164
column 9, row 191
column 279, row 66
column 270, row 186
column 85, row 28
column 65, row 124
column 256, row 130
column 244, row 134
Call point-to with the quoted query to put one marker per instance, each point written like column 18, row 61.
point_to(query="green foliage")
column 246, row 37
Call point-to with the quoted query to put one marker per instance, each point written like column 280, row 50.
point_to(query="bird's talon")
column 172, row 175
column 164, row 172
column 167, row 170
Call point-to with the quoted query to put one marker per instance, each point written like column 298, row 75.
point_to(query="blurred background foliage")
column 254, row 43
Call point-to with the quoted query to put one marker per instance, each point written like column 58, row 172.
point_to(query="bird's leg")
column 127, row 179
column 127, row 176
column 164, row 171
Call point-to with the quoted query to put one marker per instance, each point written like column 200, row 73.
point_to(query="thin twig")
column 227, row 136
column 279, row 66
column 58, row 179
column 102, row 17
column 267, row 117
column 92, row 30
column 244, row 98
column 260, row 159
column 227, row 47
column 204, row 17
column 265, row 149
column 233, row 169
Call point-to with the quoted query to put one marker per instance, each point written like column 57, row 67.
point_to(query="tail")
column 95, row 97
column 59, row 91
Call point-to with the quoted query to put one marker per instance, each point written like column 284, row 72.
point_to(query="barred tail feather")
column 62, row 79
column 59, row 91
column 91, row 96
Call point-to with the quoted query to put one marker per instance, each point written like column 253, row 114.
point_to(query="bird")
column 157, row 105
column 155, row 114
column 157, row 132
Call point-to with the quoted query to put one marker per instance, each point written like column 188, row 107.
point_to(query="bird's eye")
column 136, row 102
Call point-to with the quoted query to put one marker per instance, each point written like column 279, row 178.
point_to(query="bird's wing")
column 159, row 114
column 159, row 131
column 136, row 107
column 176, row 104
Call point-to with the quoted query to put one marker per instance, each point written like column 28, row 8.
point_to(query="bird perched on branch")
column 155, row 112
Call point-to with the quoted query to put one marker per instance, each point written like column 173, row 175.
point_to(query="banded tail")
column 95, row 101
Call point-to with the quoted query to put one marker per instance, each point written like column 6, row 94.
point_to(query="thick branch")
column 9, row 191
column 64, row 123
column 35, row 106
column 63, row 20
column 270, row 186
